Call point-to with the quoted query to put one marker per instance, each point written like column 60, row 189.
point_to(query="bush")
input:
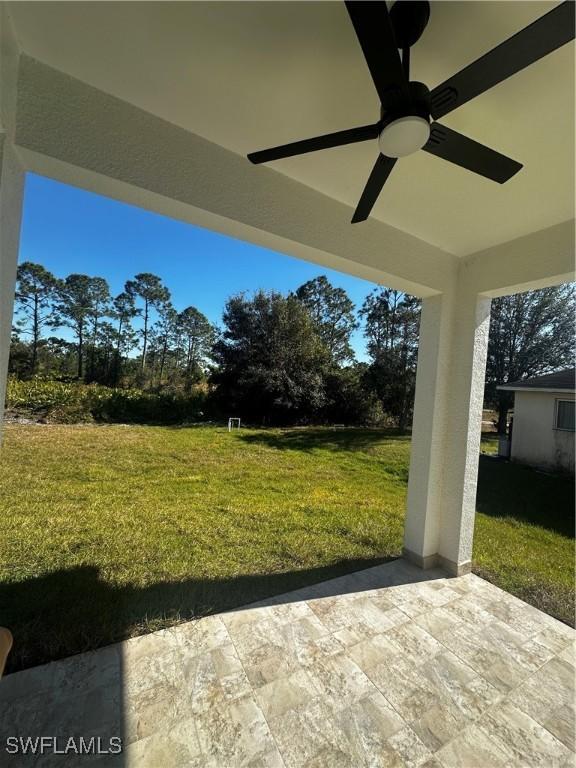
column 76, row 402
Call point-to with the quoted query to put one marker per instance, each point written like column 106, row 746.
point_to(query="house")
column 543, row 427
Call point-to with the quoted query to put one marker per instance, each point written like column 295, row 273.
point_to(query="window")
column 564, row 415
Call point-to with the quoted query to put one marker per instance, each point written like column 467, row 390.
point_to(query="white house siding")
column 534, row 439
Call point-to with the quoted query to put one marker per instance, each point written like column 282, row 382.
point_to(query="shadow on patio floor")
column 75, row 610
column 93, row 694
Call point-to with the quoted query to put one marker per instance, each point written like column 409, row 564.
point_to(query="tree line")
column 168, row 347
column 276, row 358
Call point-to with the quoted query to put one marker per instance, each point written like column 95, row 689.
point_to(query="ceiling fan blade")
column 467, row 153
column 338, row 139
column 537, row 40
column 376, row 181
column 374, row 31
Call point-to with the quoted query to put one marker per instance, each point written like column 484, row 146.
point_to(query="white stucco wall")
column 11, row 193
column 535, row 441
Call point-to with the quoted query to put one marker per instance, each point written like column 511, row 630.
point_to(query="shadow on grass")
column 312, row 438
column 102, row 694
column 510, row 490
column 74, row 610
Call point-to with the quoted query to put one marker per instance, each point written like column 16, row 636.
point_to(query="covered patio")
column 391, row 666
column 157, row 105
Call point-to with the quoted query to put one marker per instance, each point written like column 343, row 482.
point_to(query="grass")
column 110, row 531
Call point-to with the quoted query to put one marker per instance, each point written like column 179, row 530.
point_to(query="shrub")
column 76, row 402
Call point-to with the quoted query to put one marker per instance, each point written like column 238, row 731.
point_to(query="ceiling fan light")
column 404, row 136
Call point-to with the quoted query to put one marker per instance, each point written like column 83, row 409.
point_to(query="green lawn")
column 109, row 531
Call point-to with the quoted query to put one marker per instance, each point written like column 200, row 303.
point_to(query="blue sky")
column 70, row 230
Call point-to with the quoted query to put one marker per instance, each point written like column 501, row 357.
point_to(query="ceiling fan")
column 407, row 107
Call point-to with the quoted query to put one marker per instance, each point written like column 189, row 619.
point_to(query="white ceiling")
column 253, row 75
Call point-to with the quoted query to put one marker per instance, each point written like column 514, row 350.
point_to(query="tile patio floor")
column 391, row 666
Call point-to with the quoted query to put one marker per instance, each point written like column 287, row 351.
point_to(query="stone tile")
column 510, row 613
column 248, row 616
column 562, row 724
column 341, row 681
column 554, row 639
column 438, row 622
column 438, row 725
column 330, row 757
column 370, row 720
column 410, row 749
column 333, row 614
column 476, row 697
column 570, row 761
column 67, row 677
column 26, row 715
column 569, row 654
column 203, row 635
column 381, row 600
column 304, row 628
column 467, row 608
column 316, row 650
column 432, row 762
column 309, row 734
column 366, row 725
column 529, row 742
column 535, row 699
column 550, row 688
column 347, row 636
column 503, row 636
column 236, row 734
column 415, row 607
column 267, row 663
column 400, row 594
column 368, row 654
column 398, row 679
column 414, row 642
column 536, row 654
column 151, row 669
column 473, row 748
column 505, row 674
column 415, row 705
column 366, row 611
column 216, row 677
column 447, row 672
column 438, row 593
column 307, row 639
column 174, row 748
column 286, row 693
column 154, row 710
column 458, row 684
column 247, row 636
column 286, row 613
column 462, row 584
column 394, row 617
column 471, row 647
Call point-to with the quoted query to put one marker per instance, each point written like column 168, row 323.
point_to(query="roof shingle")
column 565, row 379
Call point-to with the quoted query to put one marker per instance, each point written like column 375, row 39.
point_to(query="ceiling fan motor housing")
column 409, row 20
column 405, row 121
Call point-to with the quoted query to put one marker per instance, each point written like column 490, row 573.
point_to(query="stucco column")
column 447, row 428
column 11, row 193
